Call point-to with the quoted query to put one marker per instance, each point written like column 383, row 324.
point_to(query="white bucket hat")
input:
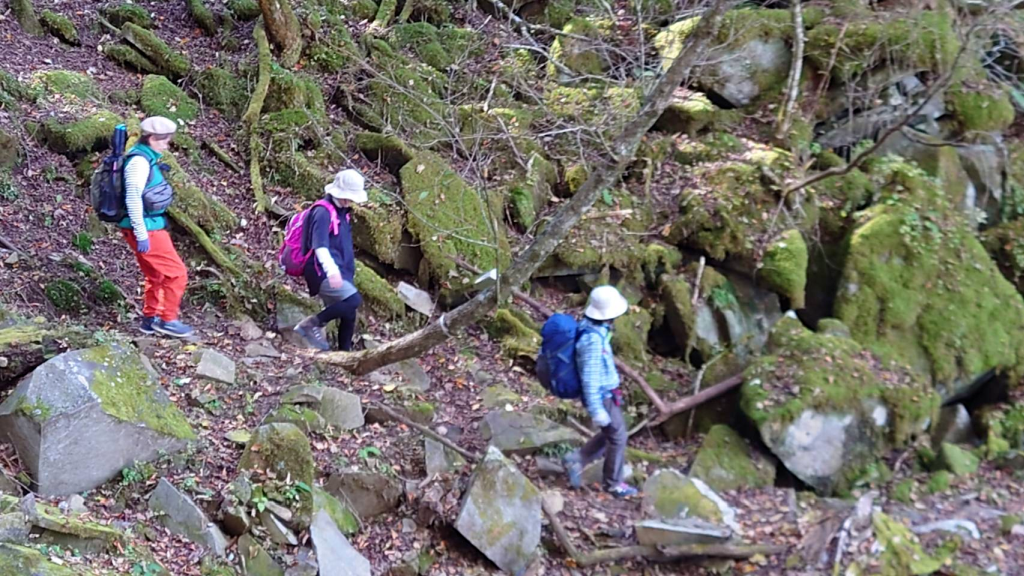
column 159, row 126
column 347, row 185
column 605, row 303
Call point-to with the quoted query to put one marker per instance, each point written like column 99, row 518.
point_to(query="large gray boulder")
column 179, row 514
column 334, row 552
column 826, row 407
column 524, row 433
column 366, row 494
column 501, row 513
column 82, row 417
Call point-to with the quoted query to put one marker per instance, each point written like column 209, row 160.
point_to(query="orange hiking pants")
column 165, row 273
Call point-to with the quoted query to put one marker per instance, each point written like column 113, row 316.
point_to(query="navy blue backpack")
column 556, row 363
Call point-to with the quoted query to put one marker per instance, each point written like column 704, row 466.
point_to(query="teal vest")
column 154, row 220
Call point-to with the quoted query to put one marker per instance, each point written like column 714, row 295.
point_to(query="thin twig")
column 472, row 456
column 10, row 245
column 696, row 283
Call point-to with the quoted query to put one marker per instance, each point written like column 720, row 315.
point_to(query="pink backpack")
column 291, row 256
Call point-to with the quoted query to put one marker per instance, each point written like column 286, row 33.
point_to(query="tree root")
column 222, row 155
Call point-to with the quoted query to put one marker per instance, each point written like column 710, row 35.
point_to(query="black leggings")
column 344, row 311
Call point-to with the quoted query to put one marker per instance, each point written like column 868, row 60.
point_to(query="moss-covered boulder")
column 957, row 460
column 342, row 516
column 121, row 14
column 438, row 48
column 377, row 226
column 726, row 461
column 691, row 113
column 784, row 267
column 244, row 10
column 25, row 13
column 574, row 55
column 629, row 339
column 901, row 550
column 65, row 85
column 161, row 97
column 501, row 513
column 304, row 418
column 282, row 453
column 518, row 335
column 387, row 149
column 919, row 288
column 168, row 62
column 293, row 91
column 16, row 559
column 669, row 496
column 60, row 27
column 120, row 416
column 222, row 90
column 378, row 294
column 210, row 213
column 827, row 407
column 451, row 219
column 89, row 134
column 129, row 58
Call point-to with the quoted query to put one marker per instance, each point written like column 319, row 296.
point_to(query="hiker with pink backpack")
column 318, row 247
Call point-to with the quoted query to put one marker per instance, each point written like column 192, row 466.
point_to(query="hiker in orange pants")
column 148, row 194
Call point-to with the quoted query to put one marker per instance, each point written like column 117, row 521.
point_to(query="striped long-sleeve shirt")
column 596, row 366
column 136, row 174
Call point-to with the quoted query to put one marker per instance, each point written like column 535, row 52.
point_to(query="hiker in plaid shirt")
column 601, row 394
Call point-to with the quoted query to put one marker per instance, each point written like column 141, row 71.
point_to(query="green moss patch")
column 127, row 392
column 170, row 63
column 450, row 218
column 377, row 226
column 517, row 334
column 629, row 338
column 343, row 518
column 160, row 97
column 121, row 14
column 784, row 267
column 985, row 108
column 64, row 83
column 203, row 208
column 129, row 58
column 726, row 462
column 919, row 288
column 244, row 10
column 222, row 90
column 378, row 293
column 60, row 27
column 283, row 451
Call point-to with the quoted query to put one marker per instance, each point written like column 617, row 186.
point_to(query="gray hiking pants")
column 610, row 442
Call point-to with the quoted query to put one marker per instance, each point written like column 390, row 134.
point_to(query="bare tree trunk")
column 795, row 71
column 620, row 152
column 283, row 29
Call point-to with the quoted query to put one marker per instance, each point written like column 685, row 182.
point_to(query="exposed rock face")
column 826, row 407
column 82, row 417
column 523, row 433
column 179, row 514
column 726, row 462
column 501, row 513
column 334, row 553
column 365, row 493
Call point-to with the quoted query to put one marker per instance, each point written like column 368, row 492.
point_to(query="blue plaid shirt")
column 596, row 366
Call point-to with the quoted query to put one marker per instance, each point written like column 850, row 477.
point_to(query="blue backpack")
column 556, row 363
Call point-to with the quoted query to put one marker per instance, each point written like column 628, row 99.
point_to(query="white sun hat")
column 605, row 304
column 347, row 185
column 159, row 126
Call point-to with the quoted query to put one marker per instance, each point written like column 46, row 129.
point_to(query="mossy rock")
column 222, row 90
column 378, row 294
column 170, row 63
column 829, row 385
column 292, row 91
column 362, row 9
column 343, row 518
column 89, row 134
column 60, row 27
column 956, row 460
column 16, row 559
column 607, row 108
column 405, row 98
column 129, row 58
column 1005, row 244
column 517, row 335
column 927, row 40
column 985, row 108
column 595, row 243
column 65, row 83
column 726, row 462
column 919, row 288
column 902, row 553
column 671, row 496
column 580, row 57
column 65, row 296
column 244, row 10
column 387, row 149
column 450, row 218
column 692, row 114
column 784, row 267
column 304, row 418
column 299, row 172
column 161, row 97
column 282, row 449
column 629, row 338
column 203, row 16
column 377, row 226
column 121, row 14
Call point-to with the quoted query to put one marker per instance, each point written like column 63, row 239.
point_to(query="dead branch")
column 10, row 245
column 619, row 154
column 795, row 71
column 397, row 417
column 691, row 402
column 222, row 155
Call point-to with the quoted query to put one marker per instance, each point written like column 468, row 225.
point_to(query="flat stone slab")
column 334, row 552
column 215, row 366
column 179, row 514
column 680, row 532
column 523, row 433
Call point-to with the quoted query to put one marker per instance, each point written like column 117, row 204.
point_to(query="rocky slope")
column 875, row 314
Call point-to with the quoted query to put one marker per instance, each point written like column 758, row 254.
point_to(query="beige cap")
column 159, row 126
column 347, row 185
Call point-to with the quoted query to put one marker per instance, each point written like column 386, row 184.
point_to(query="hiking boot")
column 147, row 325
column 174, row 328
column 311, row 330
column 622, row 490
column 575, row 471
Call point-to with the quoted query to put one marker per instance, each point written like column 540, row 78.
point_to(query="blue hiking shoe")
column 147, row 325
column 575, row 471
column 622, row 490
column 174, row 328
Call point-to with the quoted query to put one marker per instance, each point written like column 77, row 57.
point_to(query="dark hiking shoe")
column 174, row 328
column 622, row 490
column 311, row 330
column 147, row 325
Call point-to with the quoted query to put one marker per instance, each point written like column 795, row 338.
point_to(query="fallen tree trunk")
column 620, row 152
